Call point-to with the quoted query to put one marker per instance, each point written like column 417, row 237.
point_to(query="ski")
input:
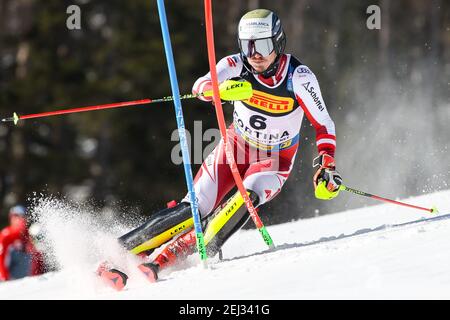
column 112, row 277
column 117, row 279
column 150, row 271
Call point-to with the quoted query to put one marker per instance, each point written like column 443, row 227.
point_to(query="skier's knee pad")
column 158, row 229
column 230, row 218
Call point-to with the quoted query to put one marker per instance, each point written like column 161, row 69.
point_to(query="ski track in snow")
column 366, row 253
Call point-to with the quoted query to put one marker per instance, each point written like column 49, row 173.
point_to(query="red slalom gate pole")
column 222, row 126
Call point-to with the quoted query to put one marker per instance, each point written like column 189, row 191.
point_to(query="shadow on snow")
column 342, row 236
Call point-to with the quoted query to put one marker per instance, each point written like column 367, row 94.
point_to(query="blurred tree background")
column 387, row 90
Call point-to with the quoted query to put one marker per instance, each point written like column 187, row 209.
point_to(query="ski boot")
column 180, row 248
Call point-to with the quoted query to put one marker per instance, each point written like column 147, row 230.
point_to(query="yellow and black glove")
column 327, row 180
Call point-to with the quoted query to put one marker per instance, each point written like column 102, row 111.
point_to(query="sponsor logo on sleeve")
column 314, row 95
column 303, row 70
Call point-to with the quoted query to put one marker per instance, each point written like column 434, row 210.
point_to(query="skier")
column 265, row 138
column 18, row 256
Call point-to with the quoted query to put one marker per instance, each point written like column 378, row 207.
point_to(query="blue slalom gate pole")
column 182, row 131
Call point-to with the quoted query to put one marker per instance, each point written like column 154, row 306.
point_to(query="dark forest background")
column 387, row 90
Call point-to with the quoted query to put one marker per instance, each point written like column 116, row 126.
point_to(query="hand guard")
column 233, row 90
column 327, row 180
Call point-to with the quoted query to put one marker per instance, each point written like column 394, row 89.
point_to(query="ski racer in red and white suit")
column 265, row 130
column 264, row 137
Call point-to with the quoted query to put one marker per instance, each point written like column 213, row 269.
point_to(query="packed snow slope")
column 378, row 252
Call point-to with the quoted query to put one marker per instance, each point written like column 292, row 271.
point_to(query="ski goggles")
column 249, row 48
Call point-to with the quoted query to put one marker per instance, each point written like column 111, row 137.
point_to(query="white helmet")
column 260, row 31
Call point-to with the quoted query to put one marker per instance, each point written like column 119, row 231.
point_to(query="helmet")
column 260, row 31
column 18, row 210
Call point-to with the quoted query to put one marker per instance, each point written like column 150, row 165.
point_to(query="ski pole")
column 221, row 120
column 365, row 194
column 15, row 118
column 182, row 132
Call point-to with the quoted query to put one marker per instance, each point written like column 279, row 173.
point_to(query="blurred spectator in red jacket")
column 18, row 256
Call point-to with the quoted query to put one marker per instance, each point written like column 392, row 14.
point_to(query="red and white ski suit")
column 265, row 130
